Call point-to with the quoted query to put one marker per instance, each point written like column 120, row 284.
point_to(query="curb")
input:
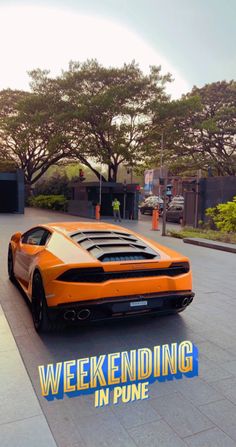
column 216, row 245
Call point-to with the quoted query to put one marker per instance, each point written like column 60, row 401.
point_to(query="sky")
column 193, row 39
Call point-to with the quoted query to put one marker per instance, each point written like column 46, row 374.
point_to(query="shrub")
column 224, row 216
column 57, row 184
column 51, row 202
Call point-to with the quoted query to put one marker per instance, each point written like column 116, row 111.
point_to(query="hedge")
column 51, row 202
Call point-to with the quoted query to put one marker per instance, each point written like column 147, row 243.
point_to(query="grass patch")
column 203, row 234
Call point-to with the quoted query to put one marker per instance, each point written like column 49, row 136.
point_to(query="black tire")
column 10, row 265
column 39, row 306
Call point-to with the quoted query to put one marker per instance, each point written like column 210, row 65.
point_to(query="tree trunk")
column 28, row 191
column 115, row 172
column 109, row 174
column 112, row 172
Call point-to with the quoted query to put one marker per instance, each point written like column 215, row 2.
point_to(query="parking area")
column 198, row 412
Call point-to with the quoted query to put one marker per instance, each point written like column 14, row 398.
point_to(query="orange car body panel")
column 61, row 253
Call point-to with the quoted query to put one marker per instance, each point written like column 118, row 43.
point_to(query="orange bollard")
column 155, row 219
column 97, row 212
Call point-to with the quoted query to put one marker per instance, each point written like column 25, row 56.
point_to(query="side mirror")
column 16, row 237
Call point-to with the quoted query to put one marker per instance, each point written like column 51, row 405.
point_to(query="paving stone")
column 230, row 367
column 135, row 413
column 65, row 429
column 222, row 414
column 159, row 389
column 198, row 391
column 227, row 387
column 33, row 432
column 16, row 323
column 210, row 438
column 7, row 342
column 181, row 415
column 103, row 431
column 156, row 434
column 21, row 417
column 17, row 397
column 214, row 352
column 212, row 371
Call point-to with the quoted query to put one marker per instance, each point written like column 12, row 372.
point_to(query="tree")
column 198, row 131
column 208, row 135
column 31, row 132
column 9, row 100
column 107, row 111
column 166, row 134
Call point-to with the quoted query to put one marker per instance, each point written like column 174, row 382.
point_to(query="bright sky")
column 50, row 37
column 194, row 40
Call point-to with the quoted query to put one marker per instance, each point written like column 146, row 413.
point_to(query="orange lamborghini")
column 79, row 271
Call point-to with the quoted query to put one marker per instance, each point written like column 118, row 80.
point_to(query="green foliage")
column 56, row 184
column 31, row 132
column 209, row 133
column 224, row 216
column 51, row 202
column 107, row 111
column 95, row 115
column 168, row 126
column 199, row 130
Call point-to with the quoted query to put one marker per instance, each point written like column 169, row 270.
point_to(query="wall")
column 215, row 190
column 12, row 192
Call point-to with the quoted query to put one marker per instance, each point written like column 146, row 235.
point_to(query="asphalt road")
column 198, row 412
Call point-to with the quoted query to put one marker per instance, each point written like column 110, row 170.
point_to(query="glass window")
column 36, row 236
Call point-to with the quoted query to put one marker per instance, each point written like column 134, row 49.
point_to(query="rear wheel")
column 39, row 306
column 10, row 264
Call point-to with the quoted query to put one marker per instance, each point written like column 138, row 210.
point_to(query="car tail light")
column 181, row 267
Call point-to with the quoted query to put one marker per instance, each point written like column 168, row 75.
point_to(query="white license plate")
column 138, row 303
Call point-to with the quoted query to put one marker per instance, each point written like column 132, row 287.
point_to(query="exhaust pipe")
column 83, row 314
column 185, row 301
column 70, row 315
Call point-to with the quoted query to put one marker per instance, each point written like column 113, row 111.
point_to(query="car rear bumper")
column 120, row 307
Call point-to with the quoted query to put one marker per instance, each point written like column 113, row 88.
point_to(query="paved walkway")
column 22, row 422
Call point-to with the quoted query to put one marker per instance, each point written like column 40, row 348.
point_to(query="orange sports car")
column 79, row 271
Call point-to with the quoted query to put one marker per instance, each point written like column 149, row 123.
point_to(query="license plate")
column 138, row 303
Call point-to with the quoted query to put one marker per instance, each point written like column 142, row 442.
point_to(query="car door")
column 171, row 212
column 31, row 243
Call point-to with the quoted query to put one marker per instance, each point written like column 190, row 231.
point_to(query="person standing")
column 116, row 209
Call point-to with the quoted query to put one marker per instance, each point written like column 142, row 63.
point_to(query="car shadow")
column 103, row 337
column 114, row 336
